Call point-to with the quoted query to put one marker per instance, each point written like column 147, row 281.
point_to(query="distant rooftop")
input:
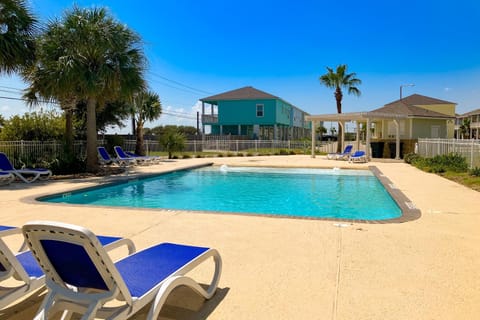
column 409, row 106
column 245, row 93
column 418, row 99
column 470, row 113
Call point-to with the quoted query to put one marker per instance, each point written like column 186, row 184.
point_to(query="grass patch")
column 464, row 178
column 452, row 166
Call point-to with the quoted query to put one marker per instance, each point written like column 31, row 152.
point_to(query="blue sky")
column 199, row 48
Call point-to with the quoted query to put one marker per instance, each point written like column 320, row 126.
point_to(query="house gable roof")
column 245, row 93
column 470, row 113
column 419, row 100
column 409, row 106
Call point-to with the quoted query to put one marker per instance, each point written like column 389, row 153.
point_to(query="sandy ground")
column 282, row 268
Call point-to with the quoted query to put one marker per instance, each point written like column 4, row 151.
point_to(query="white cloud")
column 447, row 89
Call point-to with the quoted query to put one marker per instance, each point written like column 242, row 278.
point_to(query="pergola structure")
column 358, row 117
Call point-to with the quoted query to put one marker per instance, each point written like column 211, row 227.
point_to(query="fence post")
column 471, row 154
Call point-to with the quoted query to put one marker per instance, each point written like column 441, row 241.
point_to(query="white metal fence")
column 37, row 152
column 470, row 149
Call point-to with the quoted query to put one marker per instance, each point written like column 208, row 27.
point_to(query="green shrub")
column 249, row 154
column 112, row 141
column 475, row 172
column 410, row 157
column 438, row 164
column 65, row 164
column 186, row 156
column 198, row 156
column 283, row 152
column 220, row 155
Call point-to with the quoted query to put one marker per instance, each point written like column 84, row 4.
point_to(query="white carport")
column 358, row 117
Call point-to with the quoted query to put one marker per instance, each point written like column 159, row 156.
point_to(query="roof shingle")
column 245, row 93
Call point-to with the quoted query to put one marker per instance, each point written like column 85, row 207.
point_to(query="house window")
column 435, row 132
column 260, row 110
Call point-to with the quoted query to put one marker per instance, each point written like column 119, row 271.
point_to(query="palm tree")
column 339, row 80
column 172, row 141
column 465, row 128
column 17, row 29
column 146, row 107
column 91, row 57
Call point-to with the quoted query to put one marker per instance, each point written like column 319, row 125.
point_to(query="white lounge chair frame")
column 358, row 158
column 91, row 303
column 44, row 174
column 6, row 177
column 29, row 283
column 123, row 163
column 121, row 155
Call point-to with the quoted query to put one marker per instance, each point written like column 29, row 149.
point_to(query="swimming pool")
column 313, row 193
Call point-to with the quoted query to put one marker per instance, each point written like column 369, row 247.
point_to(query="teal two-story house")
column 254, row 114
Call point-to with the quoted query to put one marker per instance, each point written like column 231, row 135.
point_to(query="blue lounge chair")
column 6, row 177
column 23, row 267
column 82, row 278
column 104, row 159
column 122, row 155
column 341, row 156
column 26, row 175
column 358, row 156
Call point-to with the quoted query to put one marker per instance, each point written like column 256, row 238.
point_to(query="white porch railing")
column 470, row 149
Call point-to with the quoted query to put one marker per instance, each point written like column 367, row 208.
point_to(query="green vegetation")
column 17, row 45
column 159, row 130
column 146, row 107
column 34, row 126
column 172, row 141
column 452, row 166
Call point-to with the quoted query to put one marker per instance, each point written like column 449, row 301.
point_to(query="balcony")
column 209, row 118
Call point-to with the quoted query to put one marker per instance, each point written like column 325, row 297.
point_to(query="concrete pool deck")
column 283, row 268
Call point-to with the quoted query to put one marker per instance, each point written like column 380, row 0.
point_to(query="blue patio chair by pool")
column 358, row 156
column 104, row 159
column 23, row 267
column 82, row 278
column 341, row 156
column 122, row 155
column 26, row 175
column 6, row 177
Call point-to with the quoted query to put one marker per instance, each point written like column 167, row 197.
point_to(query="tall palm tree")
column 146, row 107
column 94, row 58
column 17, row 29
column 465, row 128
column 339, row 80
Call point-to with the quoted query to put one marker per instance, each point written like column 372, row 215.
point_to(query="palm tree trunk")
column 338, row 98
column 92, row 158
column 139, row 147
column 69, row 132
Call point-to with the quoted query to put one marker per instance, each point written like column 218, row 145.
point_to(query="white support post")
column 367, row 142
column 397, row 139
column 313, row 139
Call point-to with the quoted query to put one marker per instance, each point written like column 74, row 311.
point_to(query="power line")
column 25, row 100
column 180, row 84
column 180, row 115
column 12, row 88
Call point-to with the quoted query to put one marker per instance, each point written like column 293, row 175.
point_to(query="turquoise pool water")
column 317, row 193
